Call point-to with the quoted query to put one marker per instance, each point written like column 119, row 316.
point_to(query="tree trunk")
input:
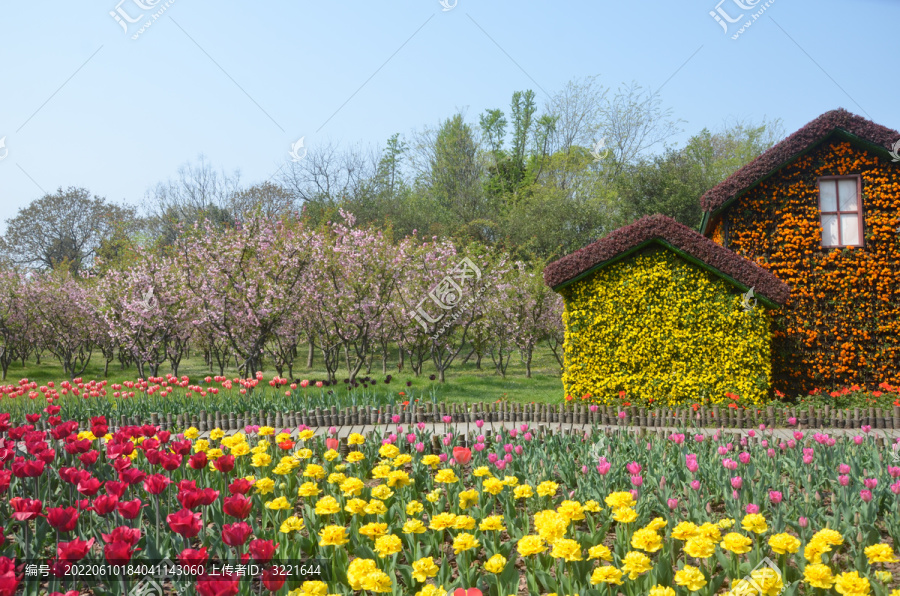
column 310, row 353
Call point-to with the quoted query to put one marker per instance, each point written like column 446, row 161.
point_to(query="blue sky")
column 84, row 104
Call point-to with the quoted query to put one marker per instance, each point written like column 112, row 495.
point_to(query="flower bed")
column 512, row 515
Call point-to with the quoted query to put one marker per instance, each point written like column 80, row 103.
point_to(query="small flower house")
column 821, row 211
column 663, row 313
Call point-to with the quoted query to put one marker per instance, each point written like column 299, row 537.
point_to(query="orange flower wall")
column 841, row 324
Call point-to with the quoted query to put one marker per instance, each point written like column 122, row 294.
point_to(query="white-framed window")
column 840, row 211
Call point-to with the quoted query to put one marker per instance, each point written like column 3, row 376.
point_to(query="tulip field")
column 92, row 508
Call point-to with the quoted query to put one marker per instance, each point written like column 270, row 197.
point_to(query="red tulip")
column 156, row 484
column 273, row 580
column 153, row 456
column 224, row 464
column 89, row 486
column 129, row 509
column 181, row 447
column 5, row 478
column 69, row 593
column 150, row 444
column 8, row 580
column 2, row 538
column 462, row 455
column 63, row 520
column 163, row 436
column 170, row 461
column 73, row 551
column 25, row 509
column 32, row 418
column 237, row 506
column 217, row 585
column 236, row 534
column 75, row 447
column 332, row 443
column 185, row 522
column 89, row 458
column 262, row 551
column 131, row 536
column 47, row 456
column 27, row 469
column 198, row 461
column 186, row 485
column 105, row 504
column 118, row 553
column 208, row 496
column 116, row 489
column 190, row 557
column 240, row 486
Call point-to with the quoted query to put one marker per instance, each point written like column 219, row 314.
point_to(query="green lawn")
column 465, row 383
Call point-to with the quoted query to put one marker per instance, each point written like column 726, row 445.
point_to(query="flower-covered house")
column 661, row 312
column 812, row 225
column 821, row 210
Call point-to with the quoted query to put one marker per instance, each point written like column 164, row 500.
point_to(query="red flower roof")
column 665, row 231
column 855, row 127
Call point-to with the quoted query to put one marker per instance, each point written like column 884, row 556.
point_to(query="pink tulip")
column 775, row 496
column 737, row 482
column 764, row 443
column 698, row 438
column 744, row 457
column 895, row 488
column 798, row 436
column 420, row 426
column 584, row 469
column 447, row 419
column 479, row 447
column 593, row 408
column 803, row 522
column 865, row 495
column 695, row 484
column 420, row 447
column 395, row 418
column 604, row 466
column 527, row 436
column 762, row 427
column 770, row 452
column 443, row 457
column 448, row 439
column 792, row 421
column 479, row 423
column 866, row 428
column 518, row 449
column 633, row 468
column 319, row 384
column 792, row 443
column 508, row 448
column 894, row 471
column 304, row 383
column 858, row 439
column 508, row 457
column 672, row 503
column 622, row 415
column 513, row 433
column 751, row 508
column 843, row 480
column 635, row 494
column 870, row 483
column 751, row 433
column 493, row 457
column 523, row 427
column 807, row 459
column 411, row 438
column 722, row 449
column 501, row 465
column 332, row 430
column 637, row 479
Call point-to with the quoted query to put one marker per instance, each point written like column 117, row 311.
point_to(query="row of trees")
column 257, row 293
column 536, row 182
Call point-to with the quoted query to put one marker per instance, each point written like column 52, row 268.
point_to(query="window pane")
column 827, row 196
column 829, row 230
column 847, row 194
column 850, row 229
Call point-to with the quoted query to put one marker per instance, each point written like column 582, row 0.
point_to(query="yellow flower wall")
column 841, row 324
column 663, row 329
